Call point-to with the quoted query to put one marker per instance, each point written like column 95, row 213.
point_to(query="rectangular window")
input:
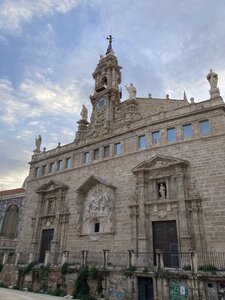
column 204, row 127
column 171, row 134
column 96, row 154
column 106, row 151
column 187, row 131
column 142, row 141
column 86, row 157
column 155, row 137
column 36, row 171
column 117, row 149
column 59, row 165
column 44, row 169
column 97, row 227
column 51, row 167
column 68, row 162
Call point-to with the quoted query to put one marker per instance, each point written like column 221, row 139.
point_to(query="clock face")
column 102, row 102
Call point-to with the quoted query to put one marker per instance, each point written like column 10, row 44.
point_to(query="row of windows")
column 50, row 168
column 187, row 130
column 96, row 153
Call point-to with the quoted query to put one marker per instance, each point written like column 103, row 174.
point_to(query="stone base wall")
column 121, row 284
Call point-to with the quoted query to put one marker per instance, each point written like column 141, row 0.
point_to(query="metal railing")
column 191, row 260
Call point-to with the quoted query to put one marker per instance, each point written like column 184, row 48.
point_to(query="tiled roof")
column 12, row 192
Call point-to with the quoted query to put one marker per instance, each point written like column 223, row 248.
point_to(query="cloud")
column 52, row 97
column 14, row 13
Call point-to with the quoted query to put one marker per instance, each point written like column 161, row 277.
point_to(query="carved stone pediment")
column 51, row 186
column 95, row 206
column 91, row 182
column 159, row 162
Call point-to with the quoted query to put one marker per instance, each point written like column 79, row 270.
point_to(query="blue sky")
column 49, row 49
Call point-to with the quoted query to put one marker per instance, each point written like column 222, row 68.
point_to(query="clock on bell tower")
column 106, row 94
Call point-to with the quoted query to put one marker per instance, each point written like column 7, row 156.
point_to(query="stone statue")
column 162, row 191
column 131, row 90
column 38, row 143
column 212, row 78
column 84, row 113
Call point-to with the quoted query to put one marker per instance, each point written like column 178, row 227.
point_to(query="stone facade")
column 143, row 174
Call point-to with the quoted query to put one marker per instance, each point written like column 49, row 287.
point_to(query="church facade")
column 142, row 184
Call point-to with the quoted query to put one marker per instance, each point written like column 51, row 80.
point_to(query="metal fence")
column 213, row 259
column 203, row 261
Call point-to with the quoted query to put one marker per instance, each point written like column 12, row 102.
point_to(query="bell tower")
column 106, row 94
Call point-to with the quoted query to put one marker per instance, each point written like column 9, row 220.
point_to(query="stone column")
column 31, row 257
column 47, row 257
column 65, row 257
column 5, row 258
column 17, row 258
column 105, row 258
column 194, row 261
column 84, row 258
column 131, row 258
column 159, row 259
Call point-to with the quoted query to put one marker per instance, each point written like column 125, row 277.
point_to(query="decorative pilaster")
column 142, row 234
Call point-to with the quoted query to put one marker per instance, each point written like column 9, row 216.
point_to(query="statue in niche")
column 162, row 191
column 84, row 113
column 38, row 143
column 212, row 78
column 131, row 91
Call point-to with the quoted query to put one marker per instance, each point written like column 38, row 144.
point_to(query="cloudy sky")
column 49, row 49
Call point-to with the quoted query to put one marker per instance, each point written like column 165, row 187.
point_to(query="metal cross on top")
column 109, row 38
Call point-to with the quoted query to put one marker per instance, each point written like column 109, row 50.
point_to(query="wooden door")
column 165, row 239
column 145, row 288
column 47, row 236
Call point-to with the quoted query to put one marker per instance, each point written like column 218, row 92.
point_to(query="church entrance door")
column 145, row 288
column 165, row 239
column 47, row 236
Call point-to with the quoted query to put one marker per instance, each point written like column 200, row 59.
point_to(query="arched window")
column 10, row 221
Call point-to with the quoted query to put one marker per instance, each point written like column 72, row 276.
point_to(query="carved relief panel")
column 95, row 207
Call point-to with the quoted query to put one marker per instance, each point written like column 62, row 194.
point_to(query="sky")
column 49, row 49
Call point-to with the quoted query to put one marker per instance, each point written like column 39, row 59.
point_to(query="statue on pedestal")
column 38, row 143
column 131, row 90
column 212, row 78
column 84, row 113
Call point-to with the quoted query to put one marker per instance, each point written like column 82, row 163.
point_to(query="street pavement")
column 8, row 294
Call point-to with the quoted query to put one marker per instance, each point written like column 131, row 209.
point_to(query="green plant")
column 93, row 273
column 3, row 285
column 130, row 271
column 57, row 292
column 44, row 271
column 186, row 268
column 82, row 288
column 145, row 269
column 16, row 287
column 207, row 268
column 30, row 267
column 65, row 268
column 99, row 287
